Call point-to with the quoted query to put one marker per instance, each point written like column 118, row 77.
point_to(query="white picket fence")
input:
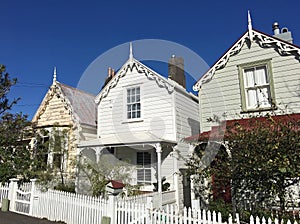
column 170, row 215
column 263, row 220
column 81, row 209
column 4, row 189
column 69, row 207
column 131, row 212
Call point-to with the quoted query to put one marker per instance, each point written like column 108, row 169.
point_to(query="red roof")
column 218, row 133
column 116, row 184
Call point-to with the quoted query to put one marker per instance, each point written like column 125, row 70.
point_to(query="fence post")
column 12, row 193
column 112, row 208
column 237, row 218
column 32, row 195
column 149, row 208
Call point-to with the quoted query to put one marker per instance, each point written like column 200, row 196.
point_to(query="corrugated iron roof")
column 218, row 133
column 82, row 103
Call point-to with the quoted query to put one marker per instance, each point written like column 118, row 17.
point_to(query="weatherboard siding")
column 187, row 121
column 128, row 155
column 87, row 134
column 166, row 115
column 156, row 103
column 222, row 93
column 55, row 112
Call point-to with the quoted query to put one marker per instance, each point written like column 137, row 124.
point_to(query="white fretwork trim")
column 129, row 66
column 236, row 48
column 55, row 89
column 283, row 48
column 263, row 40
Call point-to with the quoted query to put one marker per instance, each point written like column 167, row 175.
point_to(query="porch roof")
column 220, row 132
column 129, row 138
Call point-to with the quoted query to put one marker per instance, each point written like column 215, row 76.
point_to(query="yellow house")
column 69, row 110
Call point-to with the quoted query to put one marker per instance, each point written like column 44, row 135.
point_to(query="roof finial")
column 130, row 51
column 250, row 26
column 54, row 75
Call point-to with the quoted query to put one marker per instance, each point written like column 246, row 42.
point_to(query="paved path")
column 14, row 218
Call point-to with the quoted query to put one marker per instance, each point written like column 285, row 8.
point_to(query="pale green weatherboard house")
column 142, row 118
column 260, row 73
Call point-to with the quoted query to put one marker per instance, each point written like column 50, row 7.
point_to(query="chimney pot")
column 285, row 34
column 276, row 29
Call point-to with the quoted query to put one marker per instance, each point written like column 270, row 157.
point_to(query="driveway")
column 14, row 218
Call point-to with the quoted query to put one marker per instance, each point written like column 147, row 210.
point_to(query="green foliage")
column 5, row 85
column 265, row 160
column 59, row 149
column 262, row 162
column 218, row 167
column 52, row 142
column 165, row 185
column 108, row 168
column 69, row 187
column 220, row 206
column 132, row 190
column 15, row 157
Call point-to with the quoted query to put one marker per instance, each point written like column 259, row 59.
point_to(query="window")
column 256, row 86
column 144, row 167
column 133, row 103
column 41, row 151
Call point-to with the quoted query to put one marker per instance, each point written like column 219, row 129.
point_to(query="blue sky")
column 38, row 35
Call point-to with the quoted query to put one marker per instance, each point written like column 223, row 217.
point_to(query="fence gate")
column 22, row 198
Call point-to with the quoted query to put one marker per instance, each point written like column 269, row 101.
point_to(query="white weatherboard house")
column 142, row 118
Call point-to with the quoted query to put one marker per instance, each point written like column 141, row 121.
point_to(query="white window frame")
column 262, row 92
column 145, row 167
column 126, row 103
column 63, row 156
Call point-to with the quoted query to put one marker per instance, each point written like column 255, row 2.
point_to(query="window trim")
column 125, row 118
column 142, row 167
column 241, row 69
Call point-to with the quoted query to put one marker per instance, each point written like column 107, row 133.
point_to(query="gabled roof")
column 81, row 105
column 129, row 66
column 264, row 41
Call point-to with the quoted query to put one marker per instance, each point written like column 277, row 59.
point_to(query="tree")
column 265, row 155
column 5, row 85
column 263, row 161
column 14, row 134
column 51, row 156
column 107, row 168
column 59, row 149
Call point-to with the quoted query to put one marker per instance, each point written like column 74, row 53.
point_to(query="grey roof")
column 82, row 103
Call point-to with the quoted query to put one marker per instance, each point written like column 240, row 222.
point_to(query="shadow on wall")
column 194, row 125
